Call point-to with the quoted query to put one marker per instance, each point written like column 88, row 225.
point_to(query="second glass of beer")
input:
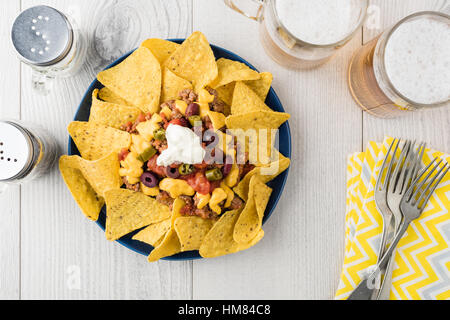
column 406, row 68
column 303, row 34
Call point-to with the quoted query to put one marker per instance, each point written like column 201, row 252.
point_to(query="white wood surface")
column 10, row 199
column 45, row 242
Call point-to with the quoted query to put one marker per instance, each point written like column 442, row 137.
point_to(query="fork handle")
column 387, row 255
column 384, row 291
column 386, row 284
column 364, row 291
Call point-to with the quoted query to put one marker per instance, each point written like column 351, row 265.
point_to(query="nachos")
column 180, row 147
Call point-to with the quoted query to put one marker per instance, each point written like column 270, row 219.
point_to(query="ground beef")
column 207, row 123
column 170, row 104
column 165, row 122
column 244, row 169
column 176, row 114
column 236, row 203
column 217, row 105
column 134, row 187
column 189, row 207
column 214, row 158
column 205, row 213
column 188, row 96
column 196, row 200
column 129, row 127
column 164, row 198
column 159, row 145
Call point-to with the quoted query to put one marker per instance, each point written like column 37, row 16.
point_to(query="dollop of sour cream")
column 184, row 146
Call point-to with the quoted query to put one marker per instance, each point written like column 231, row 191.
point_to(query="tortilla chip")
column 266, row 174
column 191, row 231
column 230, row 71
column 170, row 245
column 261, row 194
column 161, row 49
column 246, row 100
column 154, row 232
column 250, row 220
column 256, row 131
column 172, row 85
column 217, row 119
column 102, row 174
column 226, row 93
column 111, row 114
column 257, row 120
column 259, row 144
column 85, row 196
column 127, row 211
column 194, row 60
column 108, row 95
column 261, row 86
column 219, row 240
column 96, row 141
column 136, row 79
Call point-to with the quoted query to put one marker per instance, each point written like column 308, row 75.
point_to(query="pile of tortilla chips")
column 154, row 73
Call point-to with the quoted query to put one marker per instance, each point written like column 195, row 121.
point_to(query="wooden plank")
column 300, row 256
column 431, row 126
column 10, row 199
column 65, row 256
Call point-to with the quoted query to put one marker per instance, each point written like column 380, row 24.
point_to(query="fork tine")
column 416, row 158
column 416, row 169
column 388, row 173
column 413, row 184
column 380, row 175
column 399, row 168
column 439, row 176
column 420, row 185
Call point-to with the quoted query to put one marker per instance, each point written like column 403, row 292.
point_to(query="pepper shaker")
column 26, row 152
column 49, row 42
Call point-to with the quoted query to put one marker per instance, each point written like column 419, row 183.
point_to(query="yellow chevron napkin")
column 422, row 257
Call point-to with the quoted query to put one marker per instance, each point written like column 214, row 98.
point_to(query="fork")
column 411, row 205
column 381, row 188
column 404, row 174
column 380, row 195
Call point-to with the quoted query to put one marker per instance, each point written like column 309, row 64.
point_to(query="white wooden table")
column 46, row 244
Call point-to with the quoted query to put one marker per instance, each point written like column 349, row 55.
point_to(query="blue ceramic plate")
column 277, row 184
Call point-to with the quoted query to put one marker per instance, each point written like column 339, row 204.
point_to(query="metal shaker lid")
column 42, row 35
column 15, row 151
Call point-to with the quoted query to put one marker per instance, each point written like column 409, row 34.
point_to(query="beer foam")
column 417, row 60
column 319, row 21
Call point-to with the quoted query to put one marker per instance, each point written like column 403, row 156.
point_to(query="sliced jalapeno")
column 185, row 169
column 147, row 154
column 214, row 174
column 159, row 134
column 194, row 119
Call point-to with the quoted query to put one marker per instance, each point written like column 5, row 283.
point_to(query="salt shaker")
column 26, row 152
column 49, row 42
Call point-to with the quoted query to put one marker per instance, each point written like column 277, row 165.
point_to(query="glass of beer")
column 303, row 33
column 406, row 68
